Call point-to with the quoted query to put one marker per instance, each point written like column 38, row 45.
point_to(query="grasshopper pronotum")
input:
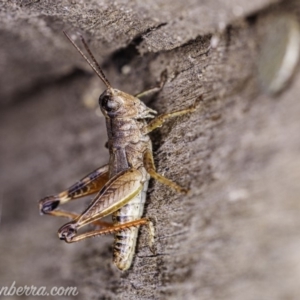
column 122, row 184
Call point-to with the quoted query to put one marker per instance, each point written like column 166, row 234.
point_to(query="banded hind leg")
column 90, row 184
column 117, row 192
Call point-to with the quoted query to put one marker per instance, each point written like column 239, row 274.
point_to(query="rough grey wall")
column 236, row 236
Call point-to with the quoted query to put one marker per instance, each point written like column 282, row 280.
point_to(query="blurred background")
column 236, row 235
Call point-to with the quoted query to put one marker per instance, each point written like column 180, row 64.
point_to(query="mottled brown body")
column 121, row 185
column 127, row 146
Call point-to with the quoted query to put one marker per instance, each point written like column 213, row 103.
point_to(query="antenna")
column 99, row 72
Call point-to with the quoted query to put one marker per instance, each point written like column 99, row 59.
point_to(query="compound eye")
column 109, row 104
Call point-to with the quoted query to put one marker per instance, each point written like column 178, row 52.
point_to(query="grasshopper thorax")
column 117, row 104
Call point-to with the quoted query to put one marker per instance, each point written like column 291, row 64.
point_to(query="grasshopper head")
column 114, row 103
column 117, row 104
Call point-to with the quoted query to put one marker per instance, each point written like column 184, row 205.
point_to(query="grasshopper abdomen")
column 125, row 241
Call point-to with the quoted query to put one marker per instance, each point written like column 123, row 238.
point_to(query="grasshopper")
column 122, row 184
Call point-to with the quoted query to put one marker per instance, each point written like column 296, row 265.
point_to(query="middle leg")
column 150, row 168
